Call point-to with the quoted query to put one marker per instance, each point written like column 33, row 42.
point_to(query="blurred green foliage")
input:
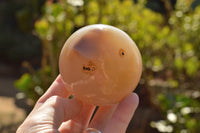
column 169, row 46
column 182, row 113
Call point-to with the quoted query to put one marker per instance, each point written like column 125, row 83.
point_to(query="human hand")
column 55, row 113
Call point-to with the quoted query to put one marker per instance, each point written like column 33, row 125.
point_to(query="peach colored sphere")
column 100, row 64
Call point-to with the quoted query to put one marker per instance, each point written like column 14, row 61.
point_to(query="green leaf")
column 164, row 102
column 157, row 65
column 24, row 82
column 42, row 28
column 173, row 83
column 79, row 20
column 192, row 66
column 191, row 124
column 179, row 63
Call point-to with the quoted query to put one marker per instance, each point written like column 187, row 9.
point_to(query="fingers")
column 115, row 118
column 122, row 115
column 80, row 122
column 63, row 109
column 49, row 116
column 108, row 119
column 56, row 89
column 102, row 116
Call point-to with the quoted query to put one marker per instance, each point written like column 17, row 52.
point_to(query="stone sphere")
column 100, row 64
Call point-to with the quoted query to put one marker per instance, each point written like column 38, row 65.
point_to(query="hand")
column 55, row 113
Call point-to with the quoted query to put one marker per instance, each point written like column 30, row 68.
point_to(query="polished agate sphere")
column 100, row 64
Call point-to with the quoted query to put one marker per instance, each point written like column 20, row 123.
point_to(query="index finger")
column 57, row 88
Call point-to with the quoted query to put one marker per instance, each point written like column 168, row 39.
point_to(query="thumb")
column 50, row 115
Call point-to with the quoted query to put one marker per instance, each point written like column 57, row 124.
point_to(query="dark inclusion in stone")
column 121, row 52
column 89, row 68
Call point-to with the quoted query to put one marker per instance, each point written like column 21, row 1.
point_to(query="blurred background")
column 167, row 32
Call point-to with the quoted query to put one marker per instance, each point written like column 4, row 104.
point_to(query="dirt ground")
column 10, row 114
